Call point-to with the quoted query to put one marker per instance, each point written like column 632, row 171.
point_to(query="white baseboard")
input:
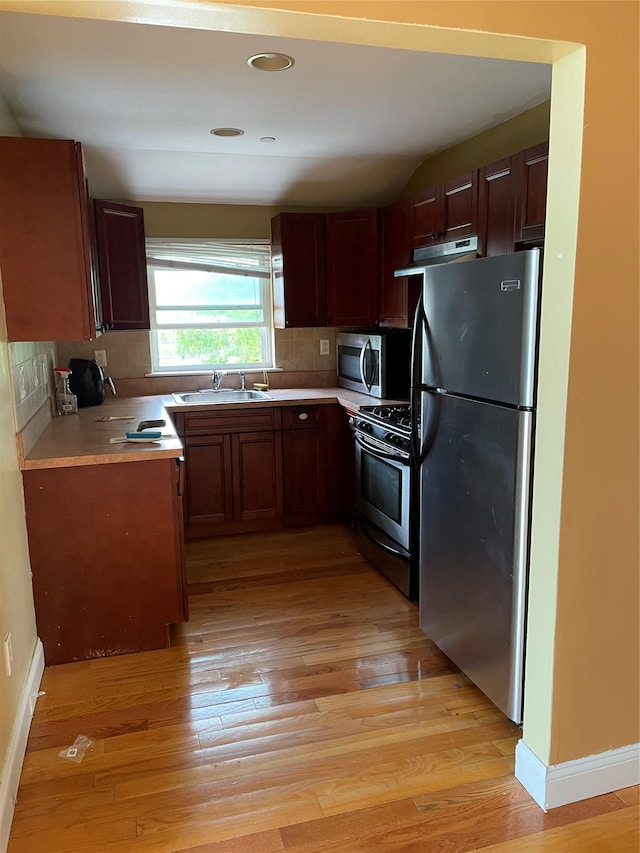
column 559, row 784
column 18, row 744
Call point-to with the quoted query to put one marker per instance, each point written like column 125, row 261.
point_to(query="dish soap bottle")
column 66, row 400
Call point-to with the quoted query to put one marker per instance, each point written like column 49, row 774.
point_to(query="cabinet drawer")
column 302, row 417
column 231, row 420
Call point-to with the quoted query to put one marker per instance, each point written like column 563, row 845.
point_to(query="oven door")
column 383, row 486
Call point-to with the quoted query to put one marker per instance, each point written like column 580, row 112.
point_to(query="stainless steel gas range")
column 385, row 493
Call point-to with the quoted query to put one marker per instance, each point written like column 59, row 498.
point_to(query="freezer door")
column 480, row 329
column 474, row 506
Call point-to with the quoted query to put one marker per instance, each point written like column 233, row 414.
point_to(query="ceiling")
column 351, row 123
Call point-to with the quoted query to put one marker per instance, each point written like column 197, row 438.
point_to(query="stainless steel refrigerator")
column 474, row 388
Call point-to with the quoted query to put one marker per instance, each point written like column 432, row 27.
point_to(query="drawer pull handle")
column 303, row 416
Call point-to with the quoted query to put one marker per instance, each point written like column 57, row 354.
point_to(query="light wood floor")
column 300, row 710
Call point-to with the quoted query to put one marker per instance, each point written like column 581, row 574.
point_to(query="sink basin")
column 225, row 395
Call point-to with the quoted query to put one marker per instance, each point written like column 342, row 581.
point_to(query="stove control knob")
column 365, row 427
column 391, row 438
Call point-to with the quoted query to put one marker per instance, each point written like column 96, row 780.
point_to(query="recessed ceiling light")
column 267, row 139
column 270, row 61
column 227, row 131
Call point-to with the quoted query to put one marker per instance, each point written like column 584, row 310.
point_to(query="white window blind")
column 210, row 304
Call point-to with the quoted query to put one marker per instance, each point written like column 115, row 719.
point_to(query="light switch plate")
column 100, row 356
column 324, row 347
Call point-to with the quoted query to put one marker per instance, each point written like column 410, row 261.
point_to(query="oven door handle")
column 363, row 357
column 381, row 545
column 380, row 454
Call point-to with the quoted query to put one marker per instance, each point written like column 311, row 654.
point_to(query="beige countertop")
column 84, row 438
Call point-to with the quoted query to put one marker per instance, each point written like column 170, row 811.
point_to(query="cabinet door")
column 460, row 199
column 352, row 268
column 497, row 208
column 45, row 241
column 428, row 217
column 305, row 482
column 257, row 476
column 298, row 264
column 108, row 584
column 122, row 265
column 209, row 491
column 306, row 463
column 531, row 198
column 398, row 296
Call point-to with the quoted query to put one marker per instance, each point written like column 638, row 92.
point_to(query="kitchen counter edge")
column 84, row 438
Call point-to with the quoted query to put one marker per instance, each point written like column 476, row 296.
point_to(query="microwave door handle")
column 363, row 360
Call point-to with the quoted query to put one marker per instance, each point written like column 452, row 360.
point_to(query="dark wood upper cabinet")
column 446, row 212
column 352, row 267
column 298, row 264
column 122, row 265
column 398, row 296
column 497, row 208
column 428, row 217
column 50, row 290
column 460, row 200
column 531, row 193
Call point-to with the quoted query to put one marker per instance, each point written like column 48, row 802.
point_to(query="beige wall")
column 16, row 597
column 585, row 613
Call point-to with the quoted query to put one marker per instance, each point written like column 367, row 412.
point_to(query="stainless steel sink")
column 226, row 395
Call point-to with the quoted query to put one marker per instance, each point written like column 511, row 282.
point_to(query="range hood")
column 441, row 253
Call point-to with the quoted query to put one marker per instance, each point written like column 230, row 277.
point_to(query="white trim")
column 18, row 744
column 559, row 784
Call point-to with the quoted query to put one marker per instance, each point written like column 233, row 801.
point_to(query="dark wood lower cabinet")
column 106, row 557
column 234, row 470
column 258, row 479
column 209, row 483
column 305, row 468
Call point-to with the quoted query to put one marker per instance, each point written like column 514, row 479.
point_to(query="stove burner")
column 397, row 415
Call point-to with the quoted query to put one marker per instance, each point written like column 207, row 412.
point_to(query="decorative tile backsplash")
column 128, row 355
column 31, row 378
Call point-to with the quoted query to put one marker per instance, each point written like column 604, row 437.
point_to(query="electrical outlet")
column 8, row 654
column 100, row 356
column 324, row 347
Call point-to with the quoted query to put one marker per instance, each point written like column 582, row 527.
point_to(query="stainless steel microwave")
column 377, row 364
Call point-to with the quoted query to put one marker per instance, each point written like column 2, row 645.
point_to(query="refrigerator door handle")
column 429, row 426
column 417, row 336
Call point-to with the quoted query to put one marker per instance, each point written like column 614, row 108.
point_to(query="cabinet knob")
column 303, row 416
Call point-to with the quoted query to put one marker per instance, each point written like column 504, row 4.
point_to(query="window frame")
column 266, row 327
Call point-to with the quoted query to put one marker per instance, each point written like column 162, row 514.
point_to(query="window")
column 210, row 304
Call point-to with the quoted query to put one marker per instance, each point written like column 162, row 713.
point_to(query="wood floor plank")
column 302, row 710
column 616, row 831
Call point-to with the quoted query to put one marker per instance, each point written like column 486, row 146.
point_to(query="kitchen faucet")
column 218, row 375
